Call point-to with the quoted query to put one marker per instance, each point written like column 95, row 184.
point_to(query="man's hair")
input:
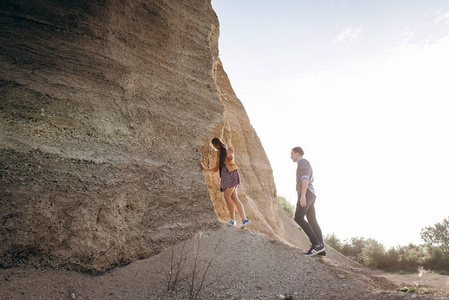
column 298, row 150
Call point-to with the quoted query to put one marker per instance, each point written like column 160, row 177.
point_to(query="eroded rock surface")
column 257, row 191
column 106, row 109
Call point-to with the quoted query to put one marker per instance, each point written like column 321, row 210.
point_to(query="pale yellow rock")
column 257, row 191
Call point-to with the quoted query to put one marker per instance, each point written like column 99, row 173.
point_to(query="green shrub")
column 333, row 241
column 353, row 249
column 437, row 235
column 286, row 206
column 406, row 290
column 400, row 259
column 409, row 257
column 436, row 260
column 414, row 290
column 373, row 254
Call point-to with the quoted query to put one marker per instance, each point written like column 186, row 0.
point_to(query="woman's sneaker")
column 245, row 222
column 232, row 222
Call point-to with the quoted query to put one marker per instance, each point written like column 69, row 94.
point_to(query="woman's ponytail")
column 222, row 157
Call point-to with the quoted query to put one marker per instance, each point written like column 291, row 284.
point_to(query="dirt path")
column 423, row 280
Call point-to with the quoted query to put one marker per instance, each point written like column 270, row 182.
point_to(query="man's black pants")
column 310, row 227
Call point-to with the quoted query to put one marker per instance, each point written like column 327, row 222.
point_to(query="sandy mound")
column 244, row 265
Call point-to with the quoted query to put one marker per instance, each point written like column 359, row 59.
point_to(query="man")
column 306, row 203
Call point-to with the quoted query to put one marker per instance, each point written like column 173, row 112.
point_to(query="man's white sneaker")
column 314, row 250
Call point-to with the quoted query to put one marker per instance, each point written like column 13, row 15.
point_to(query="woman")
column 230, row 179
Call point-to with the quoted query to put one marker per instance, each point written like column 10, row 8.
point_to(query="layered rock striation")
column 106, row 109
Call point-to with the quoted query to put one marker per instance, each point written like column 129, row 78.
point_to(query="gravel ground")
column 231, row 263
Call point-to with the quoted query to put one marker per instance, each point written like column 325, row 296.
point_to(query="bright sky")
column 361, row 86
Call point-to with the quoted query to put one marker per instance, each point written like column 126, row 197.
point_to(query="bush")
column 373, row 254
column 436, row 260
column 354, row 249
column 333, row 241
column 400, row 259
column 286, row 206
column 437, row 235
column 409, row 257
column 415, row 290
column 391, row 260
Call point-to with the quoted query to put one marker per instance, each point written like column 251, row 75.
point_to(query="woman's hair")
column 217, row 141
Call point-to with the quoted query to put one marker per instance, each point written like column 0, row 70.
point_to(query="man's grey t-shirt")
column 304, row 170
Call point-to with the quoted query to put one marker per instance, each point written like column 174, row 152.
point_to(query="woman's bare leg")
column 238, row 204
column 227, row 195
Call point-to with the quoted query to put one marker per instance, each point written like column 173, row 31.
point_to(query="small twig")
column 208, row 266
column 176, row 267
column 195, row 265
column 200, row 268
column 170, row 273
column 181, row 263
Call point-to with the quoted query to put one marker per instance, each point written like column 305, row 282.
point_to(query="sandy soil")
column 235, row 264
column 423, row 280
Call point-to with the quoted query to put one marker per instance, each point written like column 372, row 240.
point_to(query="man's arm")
column 303, row 174
column 302, row 198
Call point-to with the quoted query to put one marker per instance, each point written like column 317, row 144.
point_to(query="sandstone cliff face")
column 106, row 109
column 257, row 191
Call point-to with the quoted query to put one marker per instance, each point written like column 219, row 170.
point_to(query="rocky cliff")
column 257, row 191
column 106, row 109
